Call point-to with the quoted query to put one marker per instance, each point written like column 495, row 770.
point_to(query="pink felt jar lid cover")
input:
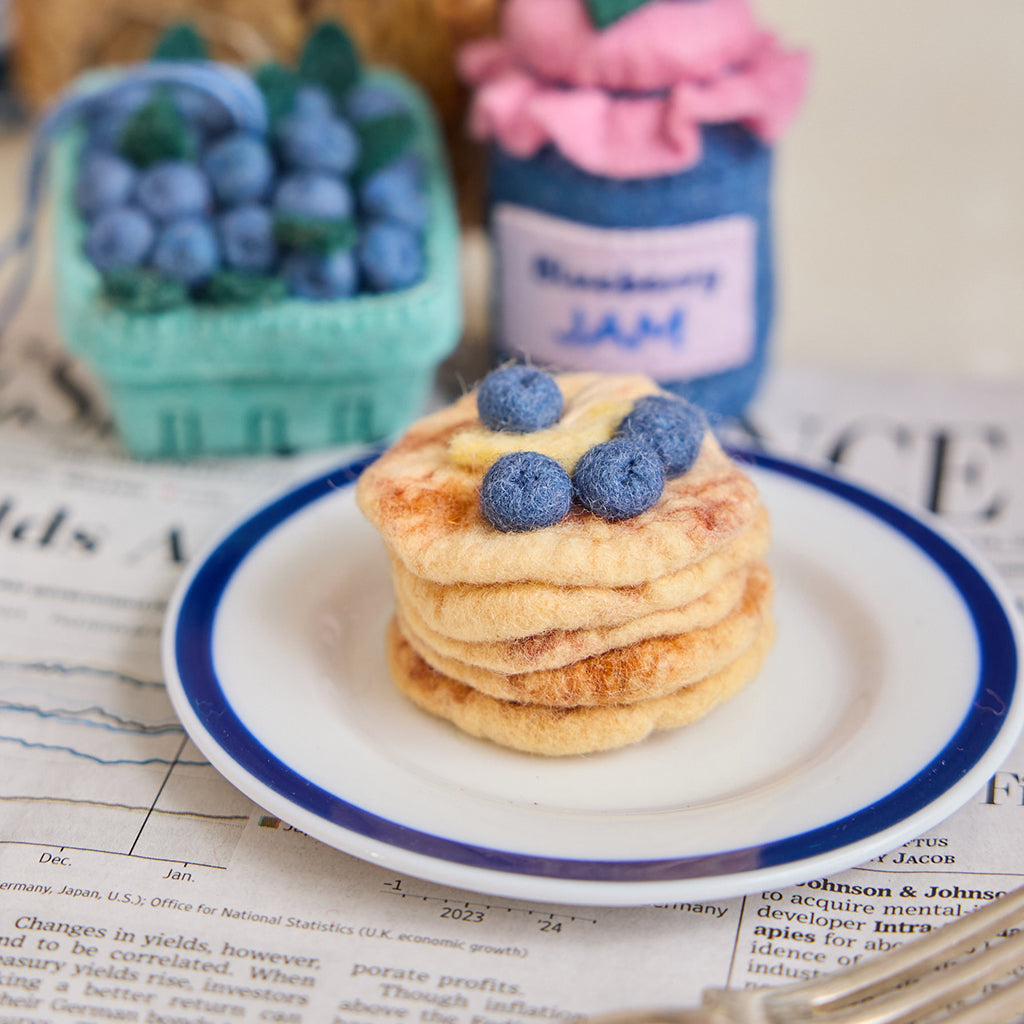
column 554, row 78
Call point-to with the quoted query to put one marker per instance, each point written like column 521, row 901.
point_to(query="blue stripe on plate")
column 193, row 643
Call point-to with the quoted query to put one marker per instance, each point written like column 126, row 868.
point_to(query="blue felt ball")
column 395, row 193
column 312, row 101
column 119, row 102
column 119, row 239
column 125, row 97
column 525, row 491
column 311, row 143
column 390, row 256
column 370, row 101
column 208, row 115
column 673, row 427
column 313, row 196
column 247, row 238
column 618, row 479
column 187, row 251
column 321, row 277
column 240, row 168
column 519, row 399
column 412, row 163
column 108, row 115
column 104, row 181
column 173, row 189
column 104, row 131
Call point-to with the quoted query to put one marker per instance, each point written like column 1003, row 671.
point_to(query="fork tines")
column 960, row 963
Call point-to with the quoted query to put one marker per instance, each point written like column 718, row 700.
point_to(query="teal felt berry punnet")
column 203, row 343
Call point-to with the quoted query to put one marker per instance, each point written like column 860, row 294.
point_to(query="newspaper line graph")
column 122, row 777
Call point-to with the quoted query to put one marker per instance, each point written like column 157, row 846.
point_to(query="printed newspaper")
column 137, row 885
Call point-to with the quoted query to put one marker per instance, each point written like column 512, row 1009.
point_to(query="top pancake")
column 427, row 509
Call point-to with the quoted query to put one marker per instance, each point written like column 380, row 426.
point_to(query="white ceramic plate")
column 891, row 696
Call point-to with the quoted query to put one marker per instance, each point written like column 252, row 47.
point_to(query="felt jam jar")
column 629, row 187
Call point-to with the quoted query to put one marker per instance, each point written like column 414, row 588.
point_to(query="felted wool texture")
column 525, row 491
column 587, row 421
column 639, row 671
column 625, row 102
column 658, row 46
column 565, row 731
column 427, row 510
column 495, row 612
column 518, row 398
column 732, row 178
column 558, row 647
column 619, row 479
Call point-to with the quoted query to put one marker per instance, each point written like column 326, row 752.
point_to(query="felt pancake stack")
column 576, row 562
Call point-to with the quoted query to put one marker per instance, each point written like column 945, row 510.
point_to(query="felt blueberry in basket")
column 319, row 196
column 519, row 399
column 247, row 238
column 108, row 117
column 240, row 169
column 105, row 180
column 173, row 189
column 312, row 101
column 187, row 251
column 124, row 101
column 119, row 238
column 673, row 427
column 314, row 142
column 411, row 164
column 394, row 193
column 369, row 102
column 313, row 211
column 525, row 491
column 390, row 256
column 618, row 479
column 207, row 117
column 321, row 276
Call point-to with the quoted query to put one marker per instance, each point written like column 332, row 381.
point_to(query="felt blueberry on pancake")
column 618, row 479
column 519, row 399
column 672, row 427
column 617, row 454
column 525, row 491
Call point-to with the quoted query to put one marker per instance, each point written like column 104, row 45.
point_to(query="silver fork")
column 956, row 968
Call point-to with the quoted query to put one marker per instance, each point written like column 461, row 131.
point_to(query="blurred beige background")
column 900, row 190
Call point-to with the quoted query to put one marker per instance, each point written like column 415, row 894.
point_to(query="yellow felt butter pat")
column 582, row 426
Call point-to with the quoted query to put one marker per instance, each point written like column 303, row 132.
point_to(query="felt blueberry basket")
column 285, row 376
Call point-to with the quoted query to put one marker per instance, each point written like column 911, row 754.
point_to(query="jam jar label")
column 674, row 303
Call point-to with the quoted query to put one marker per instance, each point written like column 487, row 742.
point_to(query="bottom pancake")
column 538, row 729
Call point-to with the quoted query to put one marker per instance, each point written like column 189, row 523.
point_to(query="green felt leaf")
column 330, row 59
column 278, row 85
column 156, row 131
column 604, row 12
column 231, row 288
column 310, row 235
column 180, row 41
column 143, row 291
column 383, row 140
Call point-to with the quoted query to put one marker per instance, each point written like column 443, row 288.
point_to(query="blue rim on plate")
column 192, row 645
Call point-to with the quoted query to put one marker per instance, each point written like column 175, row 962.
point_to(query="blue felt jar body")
column 730, row 184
